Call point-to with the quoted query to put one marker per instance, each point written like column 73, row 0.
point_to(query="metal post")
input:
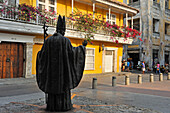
column 45, row 31
column 160, row 77
column 126, row 19
column 127, row 80
column 132, row 22
column 93, row 10
column 113, row 81
column 94, row 83
column 109, row 15
column 168, row 77
column 55, row 6
column 72, row 6
column 139, row 79
column 151, row 78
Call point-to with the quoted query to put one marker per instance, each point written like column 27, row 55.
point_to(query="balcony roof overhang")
column 114, row 5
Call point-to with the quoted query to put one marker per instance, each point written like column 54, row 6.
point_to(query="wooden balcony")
column 10, row 21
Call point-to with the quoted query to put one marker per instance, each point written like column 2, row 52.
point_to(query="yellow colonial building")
column 22, row 39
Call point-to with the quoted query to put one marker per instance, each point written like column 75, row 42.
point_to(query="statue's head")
column 61, row 26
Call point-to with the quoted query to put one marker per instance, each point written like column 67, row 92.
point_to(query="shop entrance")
column 135, row 59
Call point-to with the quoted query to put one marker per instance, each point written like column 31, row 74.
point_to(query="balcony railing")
column 156, row 8
column 156, row 35
column 13, row 14
column 155, row 4
column 167, row 12
column 167, row 37
column 17, row 15
column 135, row 4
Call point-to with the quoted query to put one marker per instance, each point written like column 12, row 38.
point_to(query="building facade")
column 153, row 21
column 21, row 39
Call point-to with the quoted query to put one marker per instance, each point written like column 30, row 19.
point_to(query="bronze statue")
column 59, row 68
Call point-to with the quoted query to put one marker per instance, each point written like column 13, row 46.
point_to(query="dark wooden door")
column 11, row 60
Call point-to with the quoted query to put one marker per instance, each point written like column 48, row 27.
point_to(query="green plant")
column 27, row 13
column 89, row 25
column 86, row 23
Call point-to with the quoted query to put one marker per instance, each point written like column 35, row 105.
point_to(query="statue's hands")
column 85, row 43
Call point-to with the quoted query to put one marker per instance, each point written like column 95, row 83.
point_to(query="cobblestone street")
column 81, row 105
column 134, row 98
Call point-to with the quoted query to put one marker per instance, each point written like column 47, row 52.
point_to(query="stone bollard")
column 160, row 77
column 113, row 81
column 127, row 80
column 139, row 79
column 151, row 78
column 168, row 77
column 94, row 84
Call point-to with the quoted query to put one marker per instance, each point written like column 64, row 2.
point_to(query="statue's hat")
column 61, row 26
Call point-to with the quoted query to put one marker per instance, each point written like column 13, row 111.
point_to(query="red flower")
column 117, row 41
column 140, row 39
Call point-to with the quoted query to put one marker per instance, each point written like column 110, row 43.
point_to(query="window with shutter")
column 112, row 18
column 49, row 5
column 90, row 55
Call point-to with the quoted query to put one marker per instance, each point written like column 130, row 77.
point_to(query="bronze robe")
column 59, row 68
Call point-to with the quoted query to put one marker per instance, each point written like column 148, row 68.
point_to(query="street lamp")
column 101, row 48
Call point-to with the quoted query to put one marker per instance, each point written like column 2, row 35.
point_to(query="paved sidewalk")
column 135, row 98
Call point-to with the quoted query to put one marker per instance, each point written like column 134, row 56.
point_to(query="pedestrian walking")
column 128, row 65
column 166, row 68
column 132, row 64
column 158, row 68
column 123, row 65
column 143, row 67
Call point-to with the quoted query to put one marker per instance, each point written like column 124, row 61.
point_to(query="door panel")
column 21, row 56
column 11, row 60
column 108, row 61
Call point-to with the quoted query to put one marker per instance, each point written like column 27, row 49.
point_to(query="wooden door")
column 11, row 60
column 108, row 61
